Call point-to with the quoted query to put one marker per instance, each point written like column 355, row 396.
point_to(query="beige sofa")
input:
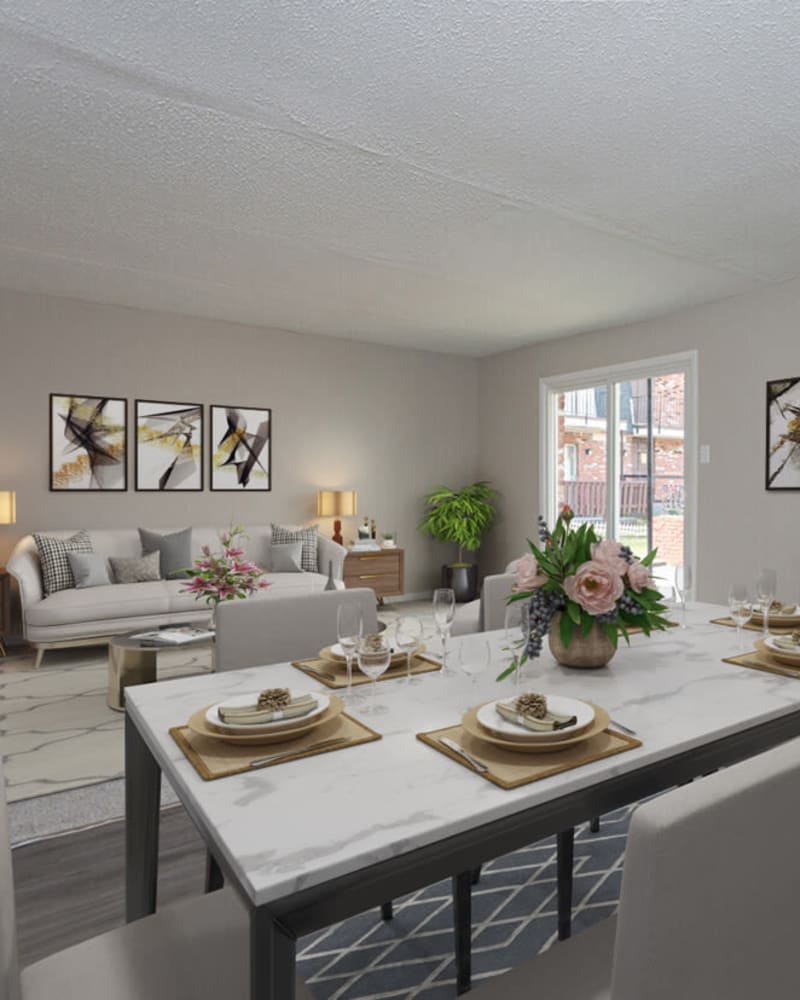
column 90, row 615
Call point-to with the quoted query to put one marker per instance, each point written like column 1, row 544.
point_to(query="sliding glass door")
column 618, row 448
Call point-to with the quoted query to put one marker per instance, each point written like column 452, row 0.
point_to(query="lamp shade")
column 8, row 507
column 336, row 503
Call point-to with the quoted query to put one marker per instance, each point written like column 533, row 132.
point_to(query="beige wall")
column 391, row 423
column 742, row 342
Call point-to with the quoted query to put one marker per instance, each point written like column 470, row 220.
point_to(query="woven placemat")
column 331, row 676
column 214, row 759
column 510, row 770
column 777, row 629
column 762, row 661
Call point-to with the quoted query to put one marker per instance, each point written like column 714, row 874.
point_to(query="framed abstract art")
column 783, row 434
column 169, row 446
column 241, row 449
column 88, row 437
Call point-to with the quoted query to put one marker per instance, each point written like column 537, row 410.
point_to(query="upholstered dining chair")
column 279, row 629
column 198, row 949
column 709, row 900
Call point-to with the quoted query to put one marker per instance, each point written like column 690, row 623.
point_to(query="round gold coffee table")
column 134, row 661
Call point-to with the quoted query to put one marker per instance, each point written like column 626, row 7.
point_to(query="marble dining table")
column 313, row 841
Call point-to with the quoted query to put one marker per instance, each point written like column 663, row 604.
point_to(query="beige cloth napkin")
column 548, row 724
column 246, row 714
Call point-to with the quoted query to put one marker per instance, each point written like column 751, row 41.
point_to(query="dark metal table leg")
column 462, row 923
column 594, row 826
column 273, row 956
column 387, row 910
column 214, row 877
column 476, row 875
column 142, row 804
column 565, row 848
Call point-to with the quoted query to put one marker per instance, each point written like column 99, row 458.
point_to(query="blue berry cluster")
column 543, row 605
column 544, row 531
column 630, row 605
column 609, row 618
column 626, row 552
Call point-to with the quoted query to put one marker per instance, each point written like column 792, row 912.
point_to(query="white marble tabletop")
column 303, row 823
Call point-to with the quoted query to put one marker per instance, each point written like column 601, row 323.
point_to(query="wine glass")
column 740, row 607
column 517, row 630
column 407, row 638
column 766, row 585
column 374, row 656
column 349, row 627
column 683, row 584
column 474, row 657
column 444, row 609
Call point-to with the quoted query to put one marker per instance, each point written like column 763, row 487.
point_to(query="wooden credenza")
column 381, row 570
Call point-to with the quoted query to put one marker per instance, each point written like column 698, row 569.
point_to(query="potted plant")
column 461, row 516
column 388, row 540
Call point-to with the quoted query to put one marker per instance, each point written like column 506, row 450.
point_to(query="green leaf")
column 507, row 672
column 566, row 629
column 587, row 621
column 611, row 632
column 574, row 611
column 624, row 631
column 648, row 559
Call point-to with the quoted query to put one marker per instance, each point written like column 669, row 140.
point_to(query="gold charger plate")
column 790, row 659
column 198, row 724
column 396, row 659
column 470, row 724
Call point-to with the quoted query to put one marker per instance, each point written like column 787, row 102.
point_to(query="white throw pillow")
column 90, row 569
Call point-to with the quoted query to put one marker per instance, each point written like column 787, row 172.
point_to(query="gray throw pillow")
column 90, row 569
column 175, row 549
column 56, row 573
column 308, row 536
column 140, row 569
column 286, row 558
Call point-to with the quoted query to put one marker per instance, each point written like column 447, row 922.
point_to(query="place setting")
column 265, row 728
column 519, row 739
column 777, row 650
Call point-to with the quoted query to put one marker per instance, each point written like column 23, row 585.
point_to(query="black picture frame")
column 167, row 406
column 92, row 444
column 228, row 477
column 782, row 457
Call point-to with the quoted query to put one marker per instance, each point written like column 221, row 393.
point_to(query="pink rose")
column 528, row 575
column 595, row 586
column 609, row 552
column 638, row 576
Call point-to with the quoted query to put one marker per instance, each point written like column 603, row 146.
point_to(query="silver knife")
column 261, row 761
column 457, row 748
column 625, row 729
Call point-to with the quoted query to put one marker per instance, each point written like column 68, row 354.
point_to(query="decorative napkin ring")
column 533, row 705
column 274, row 699
column 795, row 637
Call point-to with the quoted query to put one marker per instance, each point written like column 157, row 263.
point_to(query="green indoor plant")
column 463, row 517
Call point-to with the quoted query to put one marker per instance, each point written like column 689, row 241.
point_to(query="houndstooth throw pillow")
column 56, row 570
column 308, row 536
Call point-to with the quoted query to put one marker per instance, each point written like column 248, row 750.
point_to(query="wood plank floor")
column 72, row 887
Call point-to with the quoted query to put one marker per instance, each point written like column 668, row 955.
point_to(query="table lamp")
column 338, row 504
column 8, row 507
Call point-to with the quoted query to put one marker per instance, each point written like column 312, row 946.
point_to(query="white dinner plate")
column 398, row 655
column 212, row 714
column 774, row 644
column 490, row 719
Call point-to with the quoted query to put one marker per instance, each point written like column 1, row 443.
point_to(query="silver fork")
column 262, row 761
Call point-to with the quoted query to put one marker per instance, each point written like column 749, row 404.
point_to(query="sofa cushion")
column 117, row 600
column 175, row 550
column 285, row 558
column 308, row 536
column 90, row 569
column 138, row 570
column 56, row 572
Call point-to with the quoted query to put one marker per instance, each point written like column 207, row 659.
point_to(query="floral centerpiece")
column 584, row 592
column 225, row 575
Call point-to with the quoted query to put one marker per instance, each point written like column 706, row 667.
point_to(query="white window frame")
column 551, row 387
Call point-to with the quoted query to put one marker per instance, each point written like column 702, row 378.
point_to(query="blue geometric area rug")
column 513, row 917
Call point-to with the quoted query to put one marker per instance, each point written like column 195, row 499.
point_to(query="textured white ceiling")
column 445, row 174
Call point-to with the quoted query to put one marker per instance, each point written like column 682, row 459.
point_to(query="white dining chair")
column 709, row 900
column 198, row 949
column 281, row 629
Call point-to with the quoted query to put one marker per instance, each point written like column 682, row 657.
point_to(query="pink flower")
column 596, row 586
column 233, row 552
column 528, row 575
column 609, row 552
column 638, row 576
column 206, row 550
column 263, row 584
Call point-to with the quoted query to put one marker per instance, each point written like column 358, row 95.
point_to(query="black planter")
column 463, row 580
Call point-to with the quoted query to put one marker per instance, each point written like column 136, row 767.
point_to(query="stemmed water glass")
column 349, row 627
column 444, row 609
column 474, row 657
column 407, row 638
column 374, row 656
column 740, row 608
column 766, row 585
column 517, row 630
column 683, row 584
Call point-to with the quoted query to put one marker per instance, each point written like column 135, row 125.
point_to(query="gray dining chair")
column 281, row 629
column 709, row 899
column 198, row 949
